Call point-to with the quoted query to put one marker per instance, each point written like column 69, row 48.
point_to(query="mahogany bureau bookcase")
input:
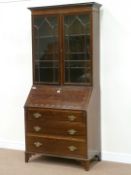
column 62, row 111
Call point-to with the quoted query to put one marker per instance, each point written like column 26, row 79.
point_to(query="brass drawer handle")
column 38, row 144
column 71, row 117
column 37, row 115
column 71, row 131
column 72, row 148
column 37, row 128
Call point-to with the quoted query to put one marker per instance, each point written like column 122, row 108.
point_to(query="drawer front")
column 57, row 128
column 56, row 147
column 56, row 115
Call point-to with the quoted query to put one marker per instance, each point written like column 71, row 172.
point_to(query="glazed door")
column 62, row 49
column 77, row 49
column 45, row 49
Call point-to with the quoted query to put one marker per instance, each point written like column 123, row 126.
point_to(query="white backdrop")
column 16, row 73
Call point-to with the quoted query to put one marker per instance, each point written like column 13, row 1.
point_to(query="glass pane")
column 76, row 43
column 76, row 56
column 77, row 75
column 77, row 49
column 45, row 30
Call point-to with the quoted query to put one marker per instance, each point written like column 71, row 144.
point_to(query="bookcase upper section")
column 62, row 44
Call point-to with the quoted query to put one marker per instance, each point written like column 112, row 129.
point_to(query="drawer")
column 56, row 115
column 61, row 128
column 56, row 146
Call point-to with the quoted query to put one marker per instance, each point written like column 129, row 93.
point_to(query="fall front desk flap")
column 59, row 97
